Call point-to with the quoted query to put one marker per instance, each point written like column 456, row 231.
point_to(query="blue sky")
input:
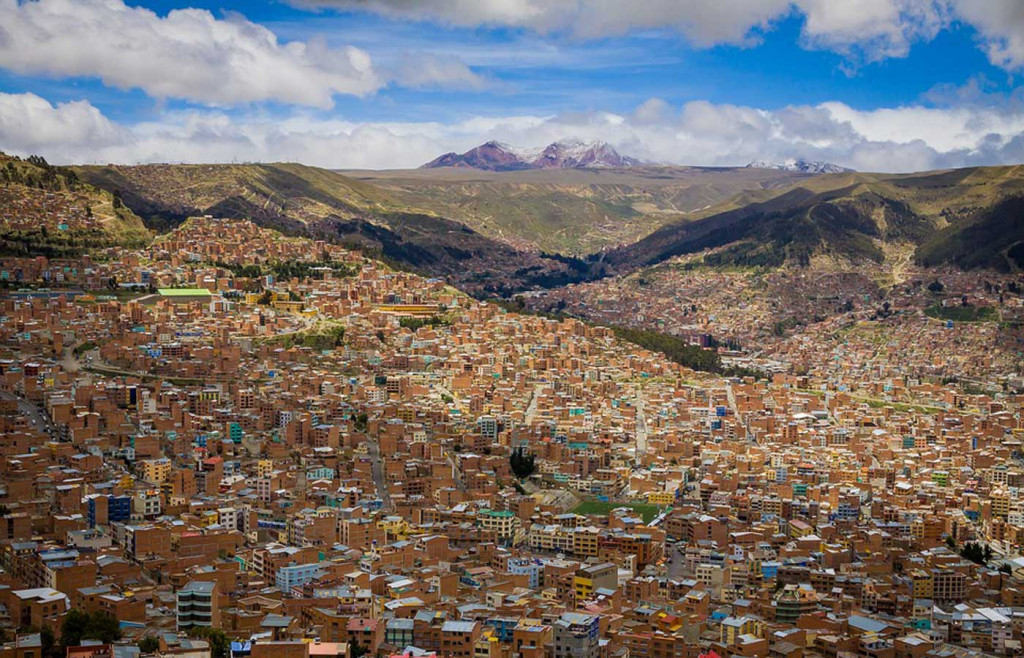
column 900, row 84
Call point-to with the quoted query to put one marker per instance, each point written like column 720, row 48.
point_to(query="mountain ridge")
column 963, row 217
column 802, row 166
column 563, row 154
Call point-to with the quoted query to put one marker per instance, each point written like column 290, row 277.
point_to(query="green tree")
column 79, row 625
column 673, row 347
column 976, row 552
column 219, row 642
column 48, row 641
column 149, row 644
column 523, row 464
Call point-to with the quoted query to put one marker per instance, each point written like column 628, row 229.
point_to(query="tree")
column 219, row 643
column 79, row 625
column 149, row 644
column 976, row 552
column 936, row 286
column 523, row 464
column 357, row 650
column 49, row 642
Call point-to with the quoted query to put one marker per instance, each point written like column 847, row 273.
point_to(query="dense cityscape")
column 511, row 329
column 315, row 454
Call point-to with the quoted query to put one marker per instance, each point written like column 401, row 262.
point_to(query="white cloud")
column 432, row 70
column 1000, row 24
column 862, row 30
column 704, row 22
column 187, row 54
column 30, row 124
column 872, row 30
column 698, row 133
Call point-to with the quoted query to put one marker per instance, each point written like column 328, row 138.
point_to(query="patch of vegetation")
column 416, row 323
column 599, row 508
column 83, row 348
column 977, row 553
column 673, row 347
column 979, row 241
column 219, row 642
column 78, row 626
column 523, row 463
column 962, row 313
column 149, row 644
column 321, row 339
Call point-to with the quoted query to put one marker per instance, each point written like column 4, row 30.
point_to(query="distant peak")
column 801, row 165
column 568, row 153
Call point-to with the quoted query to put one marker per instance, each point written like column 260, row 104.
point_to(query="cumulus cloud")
column 863, row 31
column 698, row 133
column 727, row 21
column 1000, row 24
column 188, row 53
column 431, row 70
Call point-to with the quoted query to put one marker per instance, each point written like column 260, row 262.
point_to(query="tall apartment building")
column 577, row 635
column 197, row 605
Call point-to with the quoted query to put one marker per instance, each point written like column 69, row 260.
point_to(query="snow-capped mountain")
column 801, row 165
column 565, row 154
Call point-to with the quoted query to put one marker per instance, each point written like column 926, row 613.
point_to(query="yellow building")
column 584, row 541
column 395, row 527
column 921, row 583
column 156, row 471
column 264, row 468
column 591, row 578
column 734, row 627
column 660, row 497
column 488, row 646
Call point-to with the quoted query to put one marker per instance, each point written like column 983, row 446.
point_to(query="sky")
column 876, row 85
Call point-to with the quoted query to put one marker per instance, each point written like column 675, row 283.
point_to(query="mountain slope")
column 992, row 238
column 573, row 211
column 49, row 211
column 319, row 203
column 965, row 217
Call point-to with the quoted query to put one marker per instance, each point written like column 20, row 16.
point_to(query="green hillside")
column 965, row 217
column 572, row 211
column 323, row 204
column 49, row 211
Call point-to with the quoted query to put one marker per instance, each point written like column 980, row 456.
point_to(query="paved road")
column 674, row 563
column 377, row 471
column 39, row 419
column 531, row 408
column 456, row 472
